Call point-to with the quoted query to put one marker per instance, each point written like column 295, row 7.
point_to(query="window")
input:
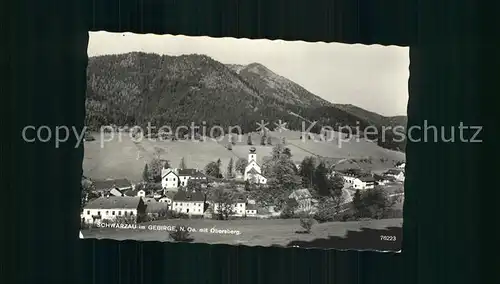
column 88, row 212
column 187, row 210
column 107, row 212
column 119, row 213
column 131, row 213
column 99, row 213
column 125, row 213
column 113, row 213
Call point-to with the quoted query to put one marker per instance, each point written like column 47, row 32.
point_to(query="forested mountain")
column 137, row 88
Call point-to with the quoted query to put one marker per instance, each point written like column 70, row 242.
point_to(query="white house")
column 190, row 174
column 238, row 208
column 363, row 182
column 253, row 171
column 192, row 203
column 401, row 166
column 109, row 208
column 169, row 179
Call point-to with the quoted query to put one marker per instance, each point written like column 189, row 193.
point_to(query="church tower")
column 252, row 156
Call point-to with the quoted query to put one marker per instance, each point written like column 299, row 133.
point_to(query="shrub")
column 306, row 224
column 180, row 234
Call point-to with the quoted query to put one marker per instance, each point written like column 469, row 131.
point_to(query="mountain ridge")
column 136, row 88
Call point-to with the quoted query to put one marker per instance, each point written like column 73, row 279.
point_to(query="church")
column 253, row 172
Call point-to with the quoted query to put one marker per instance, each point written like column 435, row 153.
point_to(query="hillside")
column 139, row 88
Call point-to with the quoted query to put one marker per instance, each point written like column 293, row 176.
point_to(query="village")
column 246, row 193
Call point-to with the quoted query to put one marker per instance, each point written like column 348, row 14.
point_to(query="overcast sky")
column 373, row 77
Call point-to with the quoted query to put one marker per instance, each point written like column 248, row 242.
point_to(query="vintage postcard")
column 244, row 142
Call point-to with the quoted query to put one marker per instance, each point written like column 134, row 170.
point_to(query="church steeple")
column 252, row 156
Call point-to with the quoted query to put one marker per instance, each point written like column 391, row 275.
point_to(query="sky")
column 372, row 77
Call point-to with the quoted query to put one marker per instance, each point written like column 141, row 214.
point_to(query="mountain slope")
column 273, row 85
column 139, row 88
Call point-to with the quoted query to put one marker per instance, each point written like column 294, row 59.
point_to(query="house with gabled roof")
column 398, row 174
column 169, row 179
column 190, row 174
column 304, row 199
column 192, row 203
column 238, row 205
column 107, row 185
column 112, row 207
column 253, row 171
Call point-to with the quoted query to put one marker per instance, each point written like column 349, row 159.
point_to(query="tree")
column 357, row 204
column 241, row 165
column 230, row 168
column 320, row 179
column 249, row 140
column 280, row 170
column 224, row 202
column 374, row 203
column 180, row 234
column 154, row 169
column 212, row 169
column 269, row 141
column 145, row 173
column 307, row 169
column 166, row 164
column 263, row 140
column 182, row 164
column 219, row 163
column 287, row 152
column 307, row 223
column 194, row 185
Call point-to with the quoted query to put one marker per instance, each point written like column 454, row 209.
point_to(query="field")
column 264, row 232
column 123, row 158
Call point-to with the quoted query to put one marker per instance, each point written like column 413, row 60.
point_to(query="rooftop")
column 183, row 195
column 111, row 183
column 114, row 202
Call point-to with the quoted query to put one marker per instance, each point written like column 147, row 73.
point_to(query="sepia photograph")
column 250, row 142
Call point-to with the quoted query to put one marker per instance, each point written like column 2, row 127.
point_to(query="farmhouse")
column 398, row 174
column 109, row 208
column 304, row 199
column 105, row 186
column 190, row 174
column 192, row 203
column 174, row 178
column 238, row 208
column 169, row 179
column 251, row 210
column 253, row 172
column 364, row 182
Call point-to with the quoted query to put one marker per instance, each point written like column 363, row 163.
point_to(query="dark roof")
column 111, row 183
column 393, row 171
column 292, row 202
column 153, row 207
column 165, row 172
column 188, row 196
column 187, row 172
column 170, row 194
column 367, row 178
column 251, row 207
column 114, row 202
column 253, row 171
column 130, row 192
